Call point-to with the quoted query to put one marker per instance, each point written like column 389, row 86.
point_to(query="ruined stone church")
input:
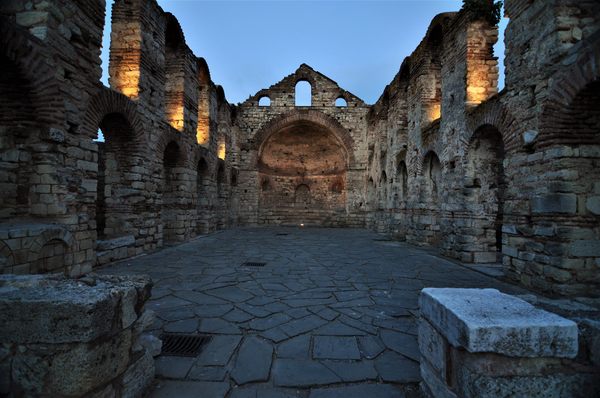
column 443, row 159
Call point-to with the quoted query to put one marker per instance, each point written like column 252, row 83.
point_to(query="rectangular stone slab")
column 486, row 320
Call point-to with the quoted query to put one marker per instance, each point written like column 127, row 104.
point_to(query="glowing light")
column 221, row 150
column 435, row 112
column 202, row 135
column 301, row 225
column 175, row 117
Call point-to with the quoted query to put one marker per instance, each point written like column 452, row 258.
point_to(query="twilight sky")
column 250, row 45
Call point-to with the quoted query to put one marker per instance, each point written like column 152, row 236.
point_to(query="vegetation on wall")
column 488, row 10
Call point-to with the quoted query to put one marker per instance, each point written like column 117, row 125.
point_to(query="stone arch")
column 484, row 190
column 371, row 193
column 303, row 84
column 32, row 60
column 581, row 79
column 174, row 73
column 310, row 116
column 302, row 196
column 303, row 146
column 51, row 251
column 570, row 140
column 221, row 179
column 401, row 177
column 204, row 87
column 432, row 171
column 172, row 182
column 493, row 113
column 203, row 200
column 108, row 101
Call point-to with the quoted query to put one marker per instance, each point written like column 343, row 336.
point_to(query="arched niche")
column 18, row 129
column 484, row 187
column 299, row 155
column 172, row 160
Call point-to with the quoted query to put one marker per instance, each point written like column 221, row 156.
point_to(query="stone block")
column 554, row 203
column 138, row 377
column 485, row 320
column 433, row 348
column 71, row 369
column 585, row 248
column 592, row 204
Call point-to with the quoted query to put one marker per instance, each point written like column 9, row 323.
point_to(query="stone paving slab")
column 332, row 314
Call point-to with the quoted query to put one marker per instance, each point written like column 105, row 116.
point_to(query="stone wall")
column 96, row 202
column 492, row 177
column 441, row 159
column 77, row 338
column 302, row 164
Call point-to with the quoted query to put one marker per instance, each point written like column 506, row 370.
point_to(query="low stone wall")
column 483, row 343
column 62, row 337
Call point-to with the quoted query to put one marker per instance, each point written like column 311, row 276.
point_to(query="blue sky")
column 250, row 45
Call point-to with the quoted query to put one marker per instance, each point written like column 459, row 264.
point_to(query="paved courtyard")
column 333, row 313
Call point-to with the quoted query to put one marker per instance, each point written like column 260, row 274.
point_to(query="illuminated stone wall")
column 519, row 181
column 73, row 202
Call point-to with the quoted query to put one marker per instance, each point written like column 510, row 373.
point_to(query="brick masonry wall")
column 440, row 159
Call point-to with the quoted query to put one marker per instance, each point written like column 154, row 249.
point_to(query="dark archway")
column 173, row 229
column 203, row 182
column 116, row 157
column 18, row 130
column 485, row 185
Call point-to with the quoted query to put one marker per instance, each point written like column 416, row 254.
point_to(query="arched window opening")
column 402, row 178
column 222, row 149
column 17, row 124
column 234, row 177
column 204, row 85
column 264, row 101
column 201, row 176
column 51, row 258
column 485, row 185
column 174, row 74
column 433, row 174
column 371, row 193
column 265, row 185
column 220, row 180
column 203, row 200
column 302, row 195
column 341, row 102
column 303, row 93
column 113, row 179
column 170, row 195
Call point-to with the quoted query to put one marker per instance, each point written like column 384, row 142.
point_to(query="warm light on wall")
column 221, row 150
column 202, row 135
column 434, row 112
column 175, row 117
column 130, row 82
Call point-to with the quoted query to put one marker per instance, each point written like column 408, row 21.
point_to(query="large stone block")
column 554, row 203
column 485, row 320
column 71, row 369
column 73, row 310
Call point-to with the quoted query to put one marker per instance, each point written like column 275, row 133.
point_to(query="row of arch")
column 121, row 194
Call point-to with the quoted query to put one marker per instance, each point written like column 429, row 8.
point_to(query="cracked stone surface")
column 333, row 313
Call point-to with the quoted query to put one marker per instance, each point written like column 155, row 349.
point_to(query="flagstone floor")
column 332, row 313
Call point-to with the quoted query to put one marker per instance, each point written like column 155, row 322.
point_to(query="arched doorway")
column 173, row 229
column 484, row 189
column 18, row 130
column 302, row 172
